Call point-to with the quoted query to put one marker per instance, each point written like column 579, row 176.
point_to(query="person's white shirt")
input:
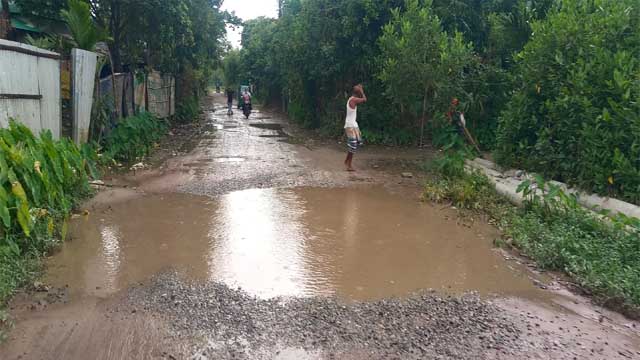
column 352, row 115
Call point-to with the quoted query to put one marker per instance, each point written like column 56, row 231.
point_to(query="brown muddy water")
column 287, row 242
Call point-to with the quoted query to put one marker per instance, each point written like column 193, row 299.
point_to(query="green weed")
column 134, row 137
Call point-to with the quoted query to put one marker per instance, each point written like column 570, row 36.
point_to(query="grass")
column 601, row 256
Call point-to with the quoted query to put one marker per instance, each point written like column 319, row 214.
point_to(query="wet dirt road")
column 329, row 264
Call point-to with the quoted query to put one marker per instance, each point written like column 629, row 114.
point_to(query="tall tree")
column 422, row 66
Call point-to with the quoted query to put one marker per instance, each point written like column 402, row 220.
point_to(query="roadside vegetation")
column 549, row 86
column 601, row 254
column 134, row 138
column 41, row 181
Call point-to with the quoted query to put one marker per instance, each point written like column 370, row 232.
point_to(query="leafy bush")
column 134, row 137
column 40, row 182
column 576, row 117
column 187, row 110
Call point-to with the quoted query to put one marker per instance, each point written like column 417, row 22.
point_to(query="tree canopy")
column 551, row 85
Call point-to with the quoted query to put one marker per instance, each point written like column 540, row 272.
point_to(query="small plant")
column 134, row 137
column 465, row 191
column 546, row 197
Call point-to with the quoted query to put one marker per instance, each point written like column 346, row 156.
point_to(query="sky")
column 246, row 10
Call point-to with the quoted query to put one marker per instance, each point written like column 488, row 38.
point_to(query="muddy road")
column 248, row 240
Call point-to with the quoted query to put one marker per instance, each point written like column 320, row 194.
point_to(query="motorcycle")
column 246, row 109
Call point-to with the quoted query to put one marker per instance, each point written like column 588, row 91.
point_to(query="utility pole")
column 280, row 6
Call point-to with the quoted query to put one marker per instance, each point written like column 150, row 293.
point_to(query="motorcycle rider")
column 246, row 103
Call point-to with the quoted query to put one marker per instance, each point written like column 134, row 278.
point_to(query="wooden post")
column 424, row 114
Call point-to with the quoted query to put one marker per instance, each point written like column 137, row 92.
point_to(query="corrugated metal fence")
column 30, row 91
column 30, row 87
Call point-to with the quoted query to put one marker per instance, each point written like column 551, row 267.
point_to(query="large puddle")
column 355, row 243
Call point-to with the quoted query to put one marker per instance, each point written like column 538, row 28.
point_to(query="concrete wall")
column 507, row 184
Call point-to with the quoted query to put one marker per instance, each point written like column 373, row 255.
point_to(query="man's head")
column 455, row 102
column 357, row 90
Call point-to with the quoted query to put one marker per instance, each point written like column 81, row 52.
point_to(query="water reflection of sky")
column 111, row 254
column 258, row 243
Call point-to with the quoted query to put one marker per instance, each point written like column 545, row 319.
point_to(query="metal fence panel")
column 83, row 72
column 30, row 87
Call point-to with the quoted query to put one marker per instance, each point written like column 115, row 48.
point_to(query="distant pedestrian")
column 351, row 128
column 230, row 94
column 456, row 118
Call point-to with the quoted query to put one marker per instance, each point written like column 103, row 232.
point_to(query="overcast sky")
column 248, row 9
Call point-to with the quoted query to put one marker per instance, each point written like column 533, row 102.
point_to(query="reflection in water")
column 258, row 242
column 111, row 253
column 355, row 243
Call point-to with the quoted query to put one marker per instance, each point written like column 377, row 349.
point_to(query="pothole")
column 267, row 126
column 354, row 243
column 224, row 159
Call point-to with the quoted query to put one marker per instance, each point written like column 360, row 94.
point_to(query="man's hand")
column 361, row 91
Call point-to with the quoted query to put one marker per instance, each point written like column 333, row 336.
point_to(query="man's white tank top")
column 352, row 114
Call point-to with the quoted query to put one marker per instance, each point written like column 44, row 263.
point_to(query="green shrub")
column 187, row 110
column 134, row 137
column 576, row 117
column 41, row 180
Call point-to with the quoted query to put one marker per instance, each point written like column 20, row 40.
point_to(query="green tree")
column 43, row 8
column 84, row 32
column 313, row 54
column 422, row 66
column 575, row 115
column 232, row 67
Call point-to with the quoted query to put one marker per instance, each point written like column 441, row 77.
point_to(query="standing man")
column 230, row 93
column 351, row 129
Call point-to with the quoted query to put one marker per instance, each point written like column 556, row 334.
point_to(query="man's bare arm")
column 358, row 100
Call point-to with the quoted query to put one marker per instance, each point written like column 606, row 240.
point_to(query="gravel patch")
column 233, row 324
